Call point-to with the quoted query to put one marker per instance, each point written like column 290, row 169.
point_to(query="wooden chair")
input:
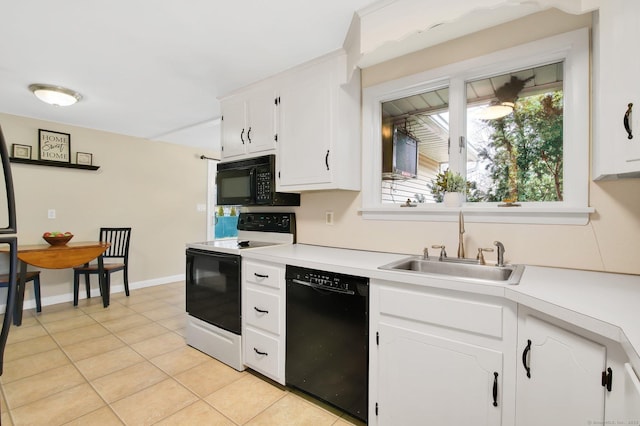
column 119, row 249
column 31, row 276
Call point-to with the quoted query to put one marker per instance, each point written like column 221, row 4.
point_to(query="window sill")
column 533, row 214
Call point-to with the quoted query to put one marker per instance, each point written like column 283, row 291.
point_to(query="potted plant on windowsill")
column 449, row 188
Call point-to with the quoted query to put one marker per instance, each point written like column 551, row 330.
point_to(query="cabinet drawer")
column 263, row 310
column 261, row 353
column 262, row 274
column 464, row 315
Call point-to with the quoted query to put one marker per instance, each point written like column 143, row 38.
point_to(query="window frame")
column 573, row 49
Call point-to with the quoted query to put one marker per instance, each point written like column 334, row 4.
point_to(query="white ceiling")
column 154, row 68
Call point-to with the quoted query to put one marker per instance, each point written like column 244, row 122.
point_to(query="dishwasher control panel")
column 325, row 279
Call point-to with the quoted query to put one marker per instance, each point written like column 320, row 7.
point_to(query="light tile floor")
column 129, row 364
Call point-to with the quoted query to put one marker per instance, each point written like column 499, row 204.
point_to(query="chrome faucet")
column 425, row 253
column 500, row 248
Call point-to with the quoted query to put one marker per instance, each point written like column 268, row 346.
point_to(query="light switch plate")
column 51, row 213
column 328, row 217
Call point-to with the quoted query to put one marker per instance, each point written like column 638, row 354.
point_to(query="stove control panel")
column 268, row 222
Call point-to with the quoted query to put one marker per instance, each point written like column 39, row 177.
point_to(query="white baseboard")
column 68, row 297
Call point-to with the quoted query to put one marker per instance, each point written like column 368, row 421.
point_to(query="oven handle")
column 213, row 254
column 189, row 268
column 322, row 288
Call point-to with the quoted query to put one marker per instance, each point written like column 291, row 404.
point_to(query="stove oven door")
column 213, row 288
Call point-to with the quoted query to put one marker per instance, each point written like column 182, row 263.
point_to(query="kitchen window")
column 528, row 166
column 222, row 220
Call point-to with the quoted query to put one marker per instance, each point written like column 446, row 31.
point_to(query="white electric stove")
column 213, row 280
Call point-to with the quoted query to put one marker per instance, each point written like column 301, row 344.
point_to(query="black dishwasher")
column 327, row 337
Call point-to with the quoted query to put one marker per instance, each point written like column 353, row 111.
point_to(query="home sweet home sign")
column 54, row 146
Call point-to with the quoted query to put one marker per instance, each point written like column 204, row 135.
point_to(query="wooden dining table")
column 58, row 257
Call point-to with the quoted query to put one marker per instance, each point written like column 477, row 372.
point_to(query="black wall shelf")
column 53, row 164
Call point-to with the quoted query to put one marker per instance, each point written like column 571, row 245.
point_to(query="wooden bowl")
column 58, row 241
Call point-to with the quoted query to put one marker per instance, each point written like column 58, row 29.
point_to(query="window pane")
column 517, row 156
column 226, row 221
column 415, row 134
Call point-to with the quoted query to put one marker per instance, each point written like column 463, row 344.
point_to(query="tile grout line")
column 59, row 346
column 63, row 351
column 145, row 359
column 86, row 379
column 6, row 401
column 75, row 366
column 169, row 375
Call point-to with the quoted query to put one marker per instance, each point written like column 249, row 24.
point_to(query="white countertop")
column 604, row 303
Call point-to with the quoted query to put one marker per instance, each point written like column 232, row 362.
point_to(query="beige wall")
column 152, row 187
column 609, row 242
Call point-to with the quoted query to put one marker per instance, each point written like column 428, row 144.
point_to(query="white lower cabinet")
column 569, row 376
column 440, row 357
column 263, row 311
column 559, row 376
column 630, row 410
column 262, row 353
column 426, row 379
column 622, row 404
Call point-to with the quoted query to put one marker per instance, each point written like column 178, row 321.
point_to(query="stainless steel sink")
column 508, row 274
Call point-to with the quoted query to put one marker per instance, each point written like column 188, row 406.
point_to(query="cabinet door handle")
column 326, row 160
column 495, row 388
column 242, row 136
column 249, row 134
column 607, row 378
column 524, row 358
column 262, row 311
column 260, row 275
column 260, row 353
column 627, row 121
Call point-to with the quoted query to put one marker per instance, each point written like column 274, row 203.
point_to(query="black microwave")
column 251, row 182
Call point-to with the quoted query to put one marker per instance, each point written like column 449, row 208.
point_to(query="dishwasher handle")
column 321, row 287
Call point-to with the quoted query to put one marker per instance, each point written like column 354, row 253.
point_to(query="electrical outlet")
column 51, row 213
column 328, row 217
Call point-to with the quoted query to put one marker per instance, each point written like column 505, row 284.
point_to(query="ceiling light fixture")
column 55, row 95
column 495, row 110
column 506, row 96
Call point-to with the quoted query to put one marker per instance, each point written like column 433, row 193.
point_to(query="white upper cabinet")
column 309, row 116
column 616, row 149
column 248, row 122
column 319, row 126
